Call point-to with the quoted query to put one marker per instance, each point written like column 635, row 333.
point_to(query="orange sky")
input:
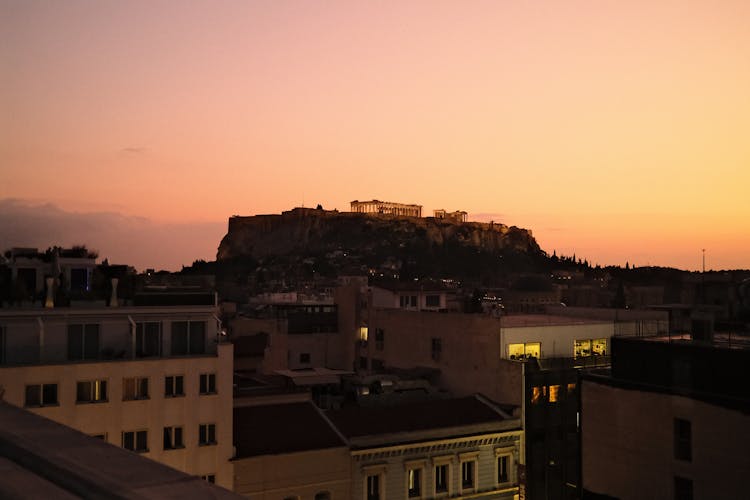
column 615, row 130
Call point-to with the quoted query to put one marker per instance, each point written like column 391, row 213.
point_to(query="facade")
column 415, row 298
column 457, row 216
column 463, row 447
column 386, row 208
column 154, row 379
column 669, row 421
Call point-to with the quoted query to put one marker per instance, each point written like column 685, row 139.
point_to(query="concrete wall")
column 628, row 445
column 302, row 474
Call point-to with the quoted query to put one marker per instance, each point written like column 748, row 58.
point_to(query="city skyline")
column 615, row 132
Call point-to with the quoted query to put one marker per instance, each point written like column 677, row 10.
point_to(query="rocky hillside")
column 332, row 241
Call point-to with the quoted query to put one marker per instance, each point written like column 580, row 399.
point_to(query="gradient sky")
column 616, row 130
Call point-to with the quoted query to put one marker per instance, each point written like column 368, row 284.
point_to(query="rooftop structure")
column 386, row 208
column 457, row 216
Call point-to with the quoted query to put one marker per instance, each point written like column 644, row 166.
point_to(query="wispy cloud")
column 134, row 150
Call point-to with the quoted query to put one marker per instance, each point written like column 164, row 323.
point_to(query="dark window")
column 206, row 434
column 211, row 478
column 467, row 474
column 414, row 486
column 683, row 488
column 432, row 300
column 304, row 358
column 135, row 441
column 441, row 478
column 377, row 364
column 503, row 462
column 323, row 495
column 148, row 339
column 174, row 386
column 363, row 363
column 91, row 391
column 41, row 395
column 413, row 301
column 437, row 349
column 379, row 339
column 134, row 388
column 208, row 383
column 173, row 438
column 188, row 337
column 373, row 487
column 79, row 279
column 682, row 440
column 83, row 342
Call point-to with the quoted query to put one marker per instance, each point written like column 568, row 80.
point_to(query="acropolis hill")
column 369, row 239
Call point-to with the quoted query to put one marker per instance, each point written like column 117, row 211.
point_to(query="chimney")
column 113, row 302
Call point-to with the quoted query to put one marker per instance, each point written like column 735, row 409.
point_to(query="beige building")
column 386, row 208
column 457, row 216
column 156, row 380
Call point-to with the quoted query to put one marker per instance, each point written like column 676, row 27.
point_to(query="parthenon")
column 386, row 207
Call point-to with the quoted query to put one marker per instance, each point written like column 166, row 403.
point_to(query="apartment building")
column 154, row 378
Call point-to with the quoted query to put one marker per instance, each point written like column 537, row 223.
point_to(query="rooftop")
column 282, row 428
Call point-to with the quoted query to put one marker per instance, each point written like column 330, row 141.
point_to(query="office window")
column 379, row 339
column 682, row 440
column 683, row 488
column 91, row 391
column 134, row 388
column 554, row 393
column 437, row 349
column 135, row 441
column 148, row 339
column 442, row 476
column 206, row 434
column 173, row 438
column 538, row 394
column 211, row 478
column 467, row 474
column 41, row 395
column 599, row 347
column 373, row 487
column 503, row 469
column 582, row 348
column 525, row 350
column 208, row 383
column 174, row 386
column 304, row 358
column 432, row 300
column 414, row 483
column 188, row 337
column 83, row 342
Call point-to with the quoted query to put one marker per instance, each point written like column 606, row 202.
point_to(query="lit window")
column 206, row 434
column 174, row 386
column 134, row 388
column 599, row 347
column 582, row 348
column 41, row 395
column 571, row 388
column 208, row 383
column 173, row 438
column 523, row 351
column 91, row 391
column 516, row 351
column 363, row 333
column 441, row 478
column 554, row 393
column 135, row 441
column 537, row 394
column 414, row 483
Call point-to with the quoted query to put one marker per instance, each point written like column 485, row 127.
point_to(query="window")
column 208, row 383
column 589, row 347
column 538, row 394
column 432, row 300
column 304, row 358
column 554, row 393
column 441, row 478
column 135, row 441
column 377, row 364
column 173, row 438
column 91, row 391
column 41, row 395
column 526, row 350
column 188, row 337
column 206, row 434
column 148, row 339
column 414, row 483
column 323, row 495
column 437, row 348
column 174, row 386
column 363, row 334
column 79, row 279
column 134, row 388
column 83, row 342
column 379, row 339
column 683, row 488
column 102, row 436
column 362, row 363
column 467, row 474
column 211, row 478
column 373, row 487
column 503, row 469
column 682, row 440
column 571, row 387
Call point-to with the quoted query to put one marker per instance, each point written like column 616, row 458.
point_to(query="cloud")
column 134, row 150
column 120, row 238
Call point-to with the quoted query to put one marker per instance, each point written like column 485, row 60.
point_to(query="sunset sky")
column 618, row 130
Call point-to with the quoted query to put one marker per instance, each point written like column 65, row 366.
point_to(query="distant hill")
column 304, row 241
